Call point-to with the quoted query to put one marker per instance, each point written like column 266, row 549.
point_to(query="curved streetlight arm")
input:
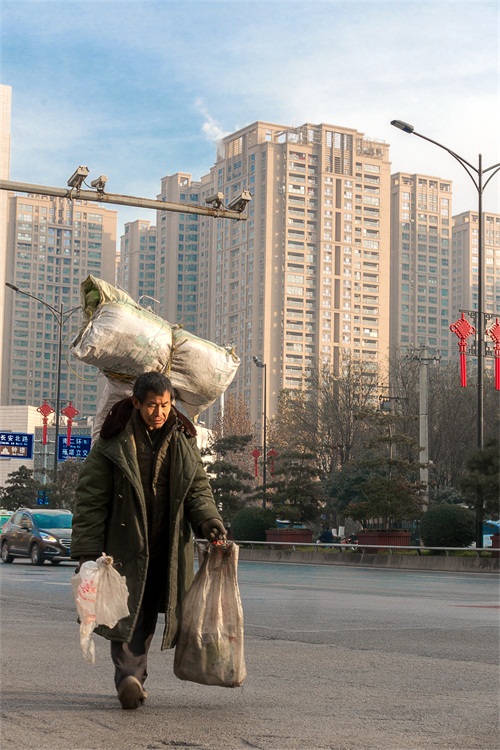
column 27, row 294
column 456, row 156
column 496, row 167
column 60, row 315
column 479, row 171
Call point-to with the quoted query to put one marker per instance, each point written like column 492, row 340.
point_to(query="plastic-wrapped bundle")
column 114, row 390
column 94, row 292
column 123, row 339
column 200, row 370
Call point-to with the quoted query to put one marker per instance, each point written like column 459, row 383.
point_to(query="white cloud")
column 210, row 128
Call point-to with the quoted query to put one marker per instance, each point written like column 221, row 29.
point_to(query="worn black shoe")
column 131, row 694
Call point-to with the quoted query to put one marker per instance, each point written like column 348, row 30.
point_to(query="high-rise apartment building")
column 182, row 256
column 5, row 109
column 421, row 263
column 136, row 270
column 306, row 277
column 465, row 254
column 53, row 245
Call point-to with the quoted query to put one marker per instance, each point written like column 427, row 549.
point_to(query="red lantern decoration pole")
column 272, row 454
column 494, row 334
column 463, row 329
column 70, row 412
column 45, row 410
column 256, row 455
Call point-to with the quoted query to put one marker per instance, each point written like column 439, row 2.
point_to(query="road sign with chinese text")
column 79, row 447
column 16, row 445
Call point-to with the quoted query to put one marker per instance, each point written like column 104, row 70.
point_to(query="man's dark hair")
column 152, row 381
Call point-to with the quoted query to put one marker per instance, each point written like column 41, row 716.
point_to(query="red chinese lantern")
column 463, row 329
column 494, row 334
column 45, row 410
column 256, row 455
column 70, row 412
column 272, row 454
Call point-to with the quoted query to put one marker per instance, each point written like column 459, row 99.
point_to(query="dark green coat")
column 110, row 517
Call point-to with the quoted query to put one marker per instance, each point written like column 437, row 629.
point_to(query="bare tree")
column 324, row 419
column 234, row 420
column 452, row 415
column 337, row 402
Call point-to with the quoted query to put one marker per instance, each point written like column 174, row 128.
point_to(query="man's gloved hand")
column 83, row 559
column 213, row 530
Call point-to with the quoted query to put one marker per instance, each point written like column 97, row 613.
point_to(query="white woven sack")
column 124, row 339
column 200, row 370
column 112, row 392
column 94, row 292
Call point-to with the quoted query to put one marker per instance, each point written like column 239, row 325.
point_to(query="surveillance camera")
column 78, row 177
column 100, row 182
column 255, row 359
column 240, row 202
column 215, row 200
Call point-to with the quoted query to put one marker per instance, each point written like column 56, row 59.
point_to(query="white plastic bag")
column 101, row 597
column 209, row 647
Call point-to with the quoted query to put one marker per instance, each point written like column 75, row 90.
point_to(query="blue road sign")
column 42, row 497
column 79, row 447
column 16, row 445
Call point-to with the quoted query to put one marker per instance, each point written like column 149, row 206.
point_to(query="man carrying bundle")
column 142, row 493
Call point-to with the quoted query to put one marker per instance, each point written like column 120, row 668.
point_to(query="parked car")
column 4, row 516
column 38, row 534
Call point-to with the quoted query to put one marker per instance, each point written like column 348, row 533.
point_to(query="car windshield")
column 59, row 521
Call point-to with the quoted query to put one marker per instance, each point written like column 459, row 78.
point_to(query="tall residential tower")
column 306, row 277
column 53, row 245
column 421, row 228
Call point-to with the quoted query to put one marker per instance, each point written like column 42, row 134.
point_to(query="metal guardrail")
column 349, row 548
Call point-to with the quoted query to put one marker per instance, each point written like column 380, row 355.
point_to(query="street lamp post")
column 477, row 176
column 259, row 363
column 60, row 317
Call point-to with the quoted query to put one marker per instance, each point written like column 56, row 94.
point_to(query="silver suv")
column 38, row 534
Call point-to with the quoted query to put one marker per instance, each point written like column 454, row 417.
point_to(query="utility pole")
column 422, row 355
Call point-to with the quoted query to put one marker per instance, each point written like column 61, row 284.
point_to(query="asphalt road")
column 338, row 659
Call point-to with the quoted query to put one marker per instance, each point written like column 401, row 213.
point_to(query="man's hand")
column 84, row 559
column 213, row 530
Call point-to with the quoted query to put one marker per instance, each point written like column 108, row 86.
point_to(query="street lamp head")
column 12, row 286
column 404, row 126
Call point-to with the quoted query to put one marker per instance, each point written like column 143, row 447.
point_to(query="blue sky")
column 138, row 89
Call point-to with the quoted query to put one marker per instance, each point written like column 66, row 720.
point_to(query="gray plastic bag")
column 209, row 647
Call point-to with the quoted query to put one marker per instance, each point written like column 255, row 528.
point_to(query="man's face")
column 154, row 409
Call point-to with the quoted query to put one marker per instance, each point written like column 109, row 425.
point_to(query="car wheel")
column 37, row 556
column 55, row 562
column 6, row 556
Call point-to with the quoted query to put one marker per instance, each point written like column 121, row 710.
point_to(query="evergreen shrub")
column 448, row 526
column 250, row 524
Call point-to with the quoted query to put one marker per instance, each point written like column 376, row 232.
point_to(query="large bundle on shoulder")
column 120, row 337
column 124, row 340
